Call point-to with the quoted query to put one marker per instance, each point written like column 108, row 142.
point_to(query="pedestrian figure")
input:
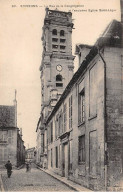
column 27, row 167
column 30, row 165
column 8, row 166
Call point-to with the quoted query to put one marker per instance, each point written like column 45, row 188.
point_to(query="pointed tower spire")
column 15, row 94
column 15, row 104
column 15, row 101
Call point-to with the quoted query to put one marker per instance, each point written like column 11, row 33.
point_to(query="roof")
column 81, row 46
column 111, row 37
column 7, row 116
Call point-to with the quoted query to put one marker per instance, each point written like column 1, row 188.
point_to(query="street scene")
column 33, row 180
column 64, row 130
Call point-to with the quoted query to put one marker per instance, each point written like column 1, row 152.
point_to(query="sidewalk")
column 69, row 183
column 3, row 171
column 1, row 184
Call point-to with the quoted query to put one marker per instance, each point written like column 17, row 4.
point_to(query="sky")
column 21, row 49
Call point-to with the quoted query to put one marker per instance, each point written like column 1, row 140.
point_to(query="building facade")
column 31, row 155
column 11, row 144
column 56, row 68
column 84, row 129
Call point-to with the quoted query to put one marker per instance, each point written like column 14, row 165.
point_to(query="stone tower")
column 57, row 59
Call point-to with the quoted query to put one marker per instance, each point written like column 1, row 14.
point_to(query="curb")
column 1, row 184
column 67, row 184
column 59, row 180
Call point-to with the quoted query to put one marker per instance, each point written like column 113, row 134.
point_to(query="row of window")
column 61, row 122
column 57, row 46
column 81, row 153
column 61, row 118
column 54, row 32
column 56, row 40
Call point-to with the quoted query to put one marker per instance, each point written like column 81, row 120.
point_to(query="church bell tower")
column 57, row 59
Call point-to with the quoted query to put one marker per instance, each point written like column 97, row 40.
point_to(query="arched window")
column 54, row 32
column 62, row 33
column 59, row 82
column 58, row 77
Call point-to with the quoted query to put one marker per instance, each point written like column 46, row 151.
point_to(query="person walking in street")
column 27, row 167
column 8, row 166
column 30, row 165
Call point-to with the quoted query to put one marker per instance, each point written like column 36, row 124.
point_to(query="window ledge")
column 82, row 123
column 92, row 117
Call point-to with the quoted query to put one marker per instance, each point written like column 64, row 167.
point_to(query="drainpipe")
column 105, row 122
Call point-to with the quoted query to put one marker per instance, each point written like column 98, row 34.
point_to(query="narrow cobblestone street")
column 35, row 180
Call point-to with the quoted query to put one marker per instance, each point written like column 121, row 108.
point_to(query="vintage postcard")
column 61, row 95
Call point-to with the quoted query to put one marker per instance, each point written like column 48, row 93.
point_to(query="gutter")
column 105, row 122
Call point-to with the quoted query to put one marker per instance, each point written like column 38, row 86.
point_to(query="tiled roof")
column 7, row 116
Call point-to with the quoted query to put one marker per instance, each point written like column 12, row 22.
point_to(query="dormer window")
column 54, row 32
column 62, row 33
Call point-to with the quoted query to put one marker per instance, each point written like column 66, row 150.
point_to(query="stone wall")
column 114, row 104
